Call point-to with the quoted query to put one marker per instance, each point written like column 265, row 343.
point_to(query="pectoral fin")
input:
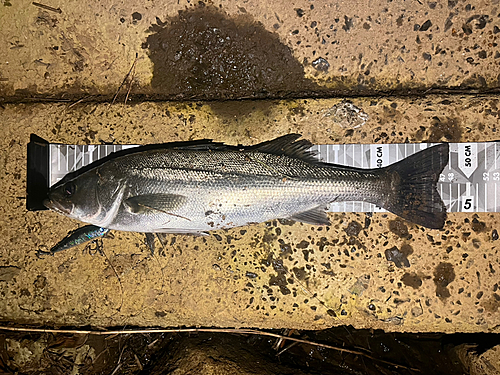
column 166, row 203
column 316, row 216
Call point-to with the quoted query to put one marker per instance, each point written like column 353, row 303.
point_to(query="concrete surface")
column 235, row 49
column 330, row 275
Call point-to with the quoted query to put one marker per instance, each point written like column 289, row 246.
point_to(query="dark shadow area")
column 203, row 54
column 226, row 353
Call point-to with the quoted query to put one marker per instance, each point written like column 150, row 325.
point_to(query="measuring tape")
column 467, row 184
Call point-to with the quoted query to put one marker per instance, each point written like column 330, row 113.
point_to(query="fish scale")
column 193, row 190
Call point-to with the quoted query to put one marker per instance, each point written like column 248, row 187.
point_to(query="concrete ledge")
column 226, row 49
column 228, row 279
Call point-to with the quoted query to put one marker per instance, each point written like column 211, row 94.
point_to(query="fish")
column 194, row 189
column 77, row 237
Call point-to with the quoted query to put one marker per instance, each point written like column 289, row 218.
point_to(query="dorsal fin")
column 289, row 146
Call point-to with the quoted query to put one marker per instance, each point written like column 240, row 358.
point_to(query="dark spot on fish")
column 299, row 12
column 397, row 257
column 202, row 53
column 478, row 226
column 412, row 280
column 251, row 275
column 136, row 16
column 398, row 227
column 306, row 255
column 443, row 276
column 160, row 314
column 353, row 229
column 218, row 237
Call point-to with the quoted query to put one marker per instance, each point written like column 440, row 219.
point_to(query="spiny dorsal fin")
column 289, row 146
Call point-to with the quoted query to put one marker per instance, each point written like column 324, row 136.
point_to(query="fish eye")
column 69, row 189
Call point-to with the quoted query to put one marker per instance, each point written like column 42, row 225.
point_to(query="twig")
column 124, row 80
column 131, row 81
column 116, row 369
column 119, row 281
column 212, row 330
column 46, row 7
column 78, row 101
column 288, row 347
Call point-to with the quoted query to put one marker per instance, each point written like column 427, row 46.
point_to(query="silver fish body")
column 198, row 189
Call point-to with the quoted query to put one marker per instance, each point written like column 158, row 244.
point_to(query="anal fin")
column 316, row 216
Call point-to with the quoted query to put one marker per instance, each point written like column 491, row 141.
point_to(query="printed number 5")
column 468, row 204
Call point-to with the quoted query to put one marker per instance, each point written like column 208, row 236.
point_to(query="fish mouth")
column 56, row 206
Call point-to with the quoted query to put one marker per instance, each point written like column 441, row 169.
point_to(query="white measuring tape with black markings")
column 467, row 184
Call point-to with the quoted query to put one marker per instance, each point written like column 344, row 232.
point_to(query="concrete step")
column 169, row 50
column 334, row 276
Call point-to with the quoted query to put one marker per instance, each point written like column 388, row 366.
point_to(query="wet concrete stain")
column 478, row 226
column 353, row 229
column 202, row 53
column 399, row 228
column 412, row 280
column 280, row 279
column 445, row 129
column 396, row 256
column 492, row 304
column 444, row 274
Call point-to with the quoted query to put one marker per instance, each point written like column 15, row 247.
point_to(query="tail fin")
column 414, row 196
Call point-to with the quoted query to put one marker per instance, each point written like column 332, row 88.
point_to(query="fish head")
column 77, row 198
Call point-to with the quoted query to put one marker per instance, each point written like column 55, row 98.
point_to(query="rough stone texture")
column 269, row 275
column 234, row 49
column 487, row 363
